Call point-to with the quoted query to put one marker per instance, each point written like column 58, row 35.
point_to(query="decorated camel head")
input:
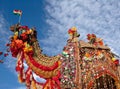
column 81, row 65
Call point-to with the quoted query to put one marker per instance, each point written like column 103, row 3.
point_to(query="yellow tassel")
column 117, row 85
column 113, row 59
column 19, row 78
column 74, row 28
column 33, row 85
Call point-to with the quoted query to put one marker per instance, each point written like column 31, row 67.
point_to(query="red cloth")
column 42, row 66
column 23, row 27
column 70, row 31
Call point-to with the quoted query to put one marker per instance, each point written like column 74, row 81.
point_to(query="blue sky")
column 52, row 19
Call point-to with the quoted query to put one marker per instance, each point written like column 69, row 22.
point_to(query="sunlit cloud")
column 101, row 17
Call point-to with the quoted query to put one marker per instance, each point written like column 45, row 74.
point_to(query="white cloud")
column 4, row 34
column 36, row 77
column 39, row 79
column 101, row 17
column 4, row 38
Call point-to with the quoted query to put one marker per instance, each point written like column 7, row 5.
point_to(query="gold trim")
column 41, row 58
column 44, row 74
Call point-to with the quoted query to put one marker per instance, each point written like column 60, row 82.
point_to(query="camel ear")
column 12, row 28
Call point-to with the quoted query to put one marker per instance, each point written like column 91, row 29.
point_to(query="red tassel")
column 1, row 61
column 28, row 77
column 7, row 44
column 116, row 62
column 45, row 83
column 6, row 54
column 1, row 53
column 53, row 83
column 56, row 81
column 20, row 67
